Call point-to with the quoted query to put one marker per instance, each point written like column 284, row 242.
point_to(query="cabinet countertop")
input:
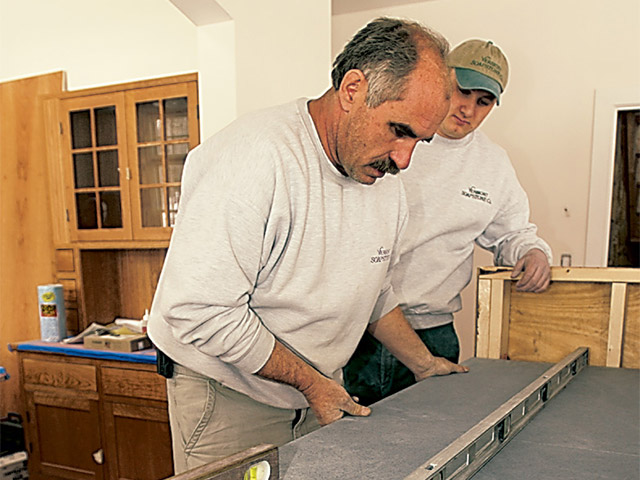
column 78, row 350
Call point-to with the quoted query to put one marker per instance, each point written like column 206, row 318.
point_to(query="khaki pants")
column 210, row 421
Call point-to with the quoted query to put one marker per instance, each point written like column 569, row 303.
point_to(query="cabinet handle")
column 128, row 173
column 98, row 456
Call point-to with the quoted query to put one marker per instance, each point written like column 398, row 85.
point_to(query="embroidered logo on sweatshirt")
column 477, row 194
column 382, row 255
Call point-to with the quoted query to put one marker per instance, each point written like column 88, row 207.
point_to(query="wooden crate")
column 597, row 308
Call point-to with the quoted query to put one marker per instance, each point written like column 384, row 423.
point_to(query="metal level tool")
column 256, row 463
column 468, row 453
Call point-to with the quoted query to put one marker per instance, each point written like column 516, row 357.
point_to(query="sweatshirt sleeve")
column 213, row 262
column 510, row 234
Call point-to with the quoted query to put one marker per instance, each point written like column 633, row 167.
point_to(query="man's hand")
column 329, row 401
column 537, row 273
column 395, row 333
column 440, row 366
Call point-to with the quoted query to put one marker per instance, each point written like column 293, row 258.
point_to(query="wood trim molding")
column 573, row 274
column 616, row 324
column 154, row 82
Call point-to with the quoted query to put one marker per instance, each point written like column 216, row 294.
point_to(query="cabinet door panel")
column 96, row 419
column 64, row 436
column 138, row 441
column 120, row 155
column 167, row 128
column 95, row 166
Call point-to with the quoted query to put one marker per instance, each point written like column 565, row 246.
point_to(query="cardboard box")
column 118, row 343
column 14, row 466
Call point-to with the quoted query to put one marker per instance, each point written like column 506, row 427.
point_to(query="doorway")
column 609, row 103
column 624, row 230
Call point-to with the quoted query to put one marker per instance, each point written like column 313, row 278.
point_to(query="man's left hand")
column 441, row 366
column 537, row 272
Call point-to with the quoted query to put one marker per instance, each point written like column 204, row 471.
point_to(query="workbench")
column 589, row 430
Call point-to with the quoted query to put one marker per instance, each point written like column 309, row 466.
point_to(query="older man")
column 283, row 248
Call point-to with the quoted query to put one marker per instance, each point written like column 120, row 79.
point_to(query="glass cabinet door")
column 94, row 138
column 123, row 153
column 166, row 129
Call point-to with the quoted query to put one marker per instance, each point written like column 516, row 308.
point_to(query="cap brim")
column 472, row 80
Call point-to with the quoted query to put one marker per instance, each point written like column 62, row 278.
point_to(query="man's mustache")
column 386, row 166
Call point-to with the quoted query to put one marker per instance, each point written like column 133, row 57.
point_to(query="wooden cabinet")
column 135, row 411
column 101, row 284
column 95, row 419
column 116, row 156
column 62, row 418
column 119, row 157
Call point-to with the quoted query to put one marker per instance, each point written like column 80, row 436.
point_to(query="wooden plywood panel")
column 631, row 335
column 73, row 319
column 26, row 246
column 119, row 283
column 139, row 274
column 549, row 326
column 483, row 308
column 101, row 287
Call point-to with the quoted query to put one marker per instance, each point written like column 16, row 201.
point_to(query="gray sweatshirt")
column 271, row 241
column 459, row 192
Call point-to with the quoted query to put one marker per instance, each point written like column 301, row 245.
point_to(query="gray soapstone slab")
column 591, row 430
column 406, row 429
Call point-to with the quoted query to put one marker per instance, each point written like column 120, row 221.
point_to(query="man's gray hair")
column 387, row 50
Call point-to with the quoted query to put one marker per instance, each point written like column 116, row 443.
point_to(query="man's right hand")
column 329, row 401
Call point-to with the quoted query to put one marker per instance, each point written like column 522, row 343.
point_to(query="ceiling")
column 338, row 7
column 206, row 12
column 202, row 12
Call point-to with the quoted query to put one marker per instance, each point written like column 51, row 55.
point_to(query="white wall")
column 216, row 76
column 283, row 50
column 95, row 42
column 116, row 41
column 270, row 53
column 560, row 52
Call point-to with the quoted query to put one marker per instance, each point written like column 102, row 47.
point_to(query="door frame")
column 608, row 102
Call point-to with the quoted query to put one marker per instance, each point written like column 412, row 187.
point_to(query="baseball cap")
column 480, row 65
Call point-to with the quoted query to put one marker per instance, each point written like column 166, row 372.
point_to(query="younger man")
column 461, row 190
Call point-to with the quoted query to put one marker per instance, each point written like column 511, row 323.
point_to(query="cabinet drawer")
column 64, row 260
column 69, row 289
column 133, row 383
column 62, row 375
